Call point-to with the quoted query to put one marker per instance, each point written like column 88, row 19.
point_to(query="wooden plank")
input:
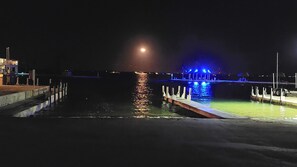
column 199, row 108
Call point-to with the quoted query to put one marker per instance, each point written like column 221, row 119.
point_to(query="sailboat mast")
column 277, row 70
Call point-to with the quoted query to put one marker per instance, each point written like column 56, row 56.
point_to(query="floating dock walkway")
column 26, row 100
column 270, row 98
column 186, row 103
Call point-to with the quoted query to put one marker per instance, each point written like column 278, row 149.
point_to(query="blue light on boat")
column 196, row 70
column 195, row 83
column 208, row 71
column 204, row 70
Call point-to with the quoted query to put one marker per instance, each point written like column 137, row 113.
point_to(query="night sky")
column 232, row 36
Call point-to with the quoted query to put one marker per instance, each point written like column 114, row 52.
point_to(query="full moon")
column 142, row 50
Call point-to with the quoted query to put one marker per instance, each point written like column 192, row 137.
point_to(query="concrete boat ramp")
column 186, row 103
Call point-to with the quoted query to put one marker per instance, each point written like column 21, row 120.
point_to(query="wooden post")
column 59, row 89
column 173, row 95
column 27, row 81
column 257, row 92
column 296, row 80
column 50, row 95
column 167, row 92
column 66, row 91
column 263, row 94
column 189, row 95
column 54, row 94
column 178, row 92
column 17, row 81
column 281, row 95
column 271, row 94
column 62, row 91
column 50, row 81
column 163, row 91
column 33, row 77
column 273, row 82
column 183, row 96
column 37, row 81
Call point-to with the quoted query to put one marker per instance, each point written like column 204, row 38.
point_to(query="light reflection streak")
column 202, row 89
column 141, row 94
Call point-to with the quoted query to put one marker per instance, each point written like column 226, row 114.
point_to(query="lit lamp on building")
column 8, row 69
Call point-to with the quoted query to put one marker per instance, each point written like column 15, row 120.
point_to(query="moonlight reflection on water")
column 141, row 94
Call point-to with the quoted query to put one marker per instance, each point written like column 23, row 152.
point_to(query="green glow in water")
column 253, row 109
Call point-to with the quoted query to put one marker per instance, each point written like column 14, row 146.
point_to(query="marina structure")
column 185, row 101
column 26, row 100
column 8, row 69
column 271, row 98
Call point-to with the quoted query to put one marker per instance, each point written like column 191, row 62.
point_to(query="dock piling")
column 257, row 92
column 273, row 82
column 281, row 96
column 37, row 81
column 59, row 89
column 27, row 81
column 263, row 94
column 173, row 95
column 50, row 95
column 271, row 94
column 66, row 89
column 62, row 91
column 252, row 92
column 163, row 91
column 189, row 95
column 17, row 81
column 183, row 96
column 54, row 94
column 167, row 92
column 296, row 80
column 178, row 92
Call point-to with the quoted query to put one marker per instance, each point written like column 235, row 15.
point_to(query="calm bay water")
column 116, row 95
column 139, row 96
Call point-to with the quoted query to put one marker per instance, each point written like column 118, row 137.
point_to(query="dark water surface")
column 139, row 96
column 116, row 95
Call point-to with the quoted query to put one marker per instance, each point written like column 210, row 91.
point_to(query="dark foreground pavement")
column 141, row 142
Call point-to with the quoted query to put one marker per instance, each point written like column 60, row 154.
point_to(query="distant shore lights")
column 203, row 70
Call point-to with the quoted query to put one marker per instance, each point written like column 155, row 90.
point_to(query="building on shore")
column 8, row 70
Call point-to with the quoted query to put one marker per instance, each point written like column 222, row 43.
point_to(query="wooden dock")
column 24, row 101
column 186, row 103
column 270, row 98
